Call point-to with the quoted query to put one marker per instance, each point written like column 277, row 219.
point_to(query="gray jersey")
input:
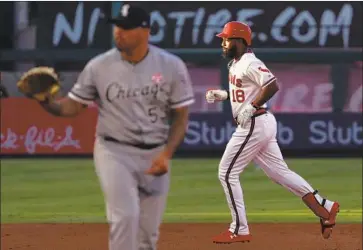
column 134, row 100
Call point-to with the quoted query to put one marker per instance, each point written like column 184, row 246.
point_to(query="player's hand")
column 160, row 165
column 245, row 116
column 213, row 95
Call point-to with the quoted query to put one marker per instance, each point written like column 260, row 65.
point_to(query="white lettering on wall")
column 197, row 22
column 323, row 132
column 180, row 17
column 333, row 27
column 288, row 26
column 62, row 27
column 35, row 137
column 156, row 17
column 215, row 24
column 280, row 22
column 304, row 17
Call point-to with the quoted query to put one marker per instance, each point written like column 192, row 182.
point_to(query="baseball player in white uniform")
column 142, row 93
column 251, row 85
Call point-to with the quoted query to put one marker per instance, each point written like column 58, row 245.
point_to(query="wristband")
column 254, row 105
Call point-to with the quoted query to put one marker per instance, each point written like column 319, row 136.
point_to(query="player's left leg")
column 271, row 161
column 153, row 192
column 151, row 214
column 244, row 144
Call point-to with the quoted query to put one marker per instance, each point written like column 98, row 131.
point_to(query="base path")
column 182, row 237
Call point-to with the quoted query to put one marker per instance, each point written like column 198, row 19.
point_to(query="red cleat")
column 228, row 238
column 328, row 225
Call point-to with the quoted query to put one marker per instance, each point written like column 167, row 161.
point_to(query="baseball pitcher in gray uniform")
column 143, row 94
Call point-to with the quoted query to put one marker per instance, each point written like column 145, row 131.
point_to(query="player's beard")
column 120, row 48
column 123, row 49
column 230, row 53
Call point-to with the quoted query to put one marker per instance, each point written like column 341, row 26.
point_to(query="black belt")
column 139, row 145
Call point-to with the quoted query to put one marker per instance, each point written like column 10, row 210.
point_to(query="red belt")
column 259, row 112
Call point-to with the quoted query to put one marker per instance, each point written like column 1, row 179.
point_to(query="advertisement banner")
column 294, row 131
column 73, row 25
column 26, row 129
column 304, row 88
column 194, row 24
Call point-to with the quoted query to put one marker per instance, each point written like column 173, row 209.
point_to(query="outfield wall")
column 27, row 130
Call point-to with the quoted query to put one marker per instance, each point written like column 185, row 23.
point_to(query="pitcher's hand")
column 160, row 165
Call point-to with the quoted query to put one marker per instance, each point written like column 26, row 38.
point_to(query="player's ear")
column 146, row 31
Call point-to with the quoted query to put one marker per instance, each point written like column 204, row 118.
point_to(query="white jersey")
column 247, row 77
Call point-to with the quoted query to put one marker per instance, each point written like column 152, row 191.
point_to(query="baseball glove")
column 39, row 83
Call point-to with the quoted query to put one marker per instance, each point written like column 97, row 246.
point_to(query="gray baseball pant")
column 135, row 202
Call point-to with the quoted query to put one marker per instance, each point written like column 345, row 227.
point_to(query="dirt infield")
column 181, row 237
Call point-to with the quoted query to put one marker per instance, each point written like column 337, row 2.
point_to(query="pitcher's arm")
column 177, row 131
column 65, row 107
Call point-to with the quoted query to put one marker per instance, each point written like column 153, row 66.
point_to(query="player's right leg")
column 240, row 150
column 271, row 161
column 120, row 193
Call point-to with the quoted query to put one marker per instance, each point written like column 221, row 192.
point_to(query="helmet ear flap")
column 244, row 42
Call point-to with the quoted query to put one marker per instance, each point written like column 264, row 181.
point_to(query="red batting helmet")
column 236, row 29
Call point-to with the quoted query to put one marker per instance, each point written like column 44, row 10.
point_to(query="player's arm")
column 179, row 124
column 182, row 95
column 266, row 93
column 81, row 95
column 213, row 95
column 263, row 77
column 65, row 107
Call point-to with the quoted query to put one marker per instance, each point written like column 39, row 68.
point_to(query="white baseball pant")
column 257, row 142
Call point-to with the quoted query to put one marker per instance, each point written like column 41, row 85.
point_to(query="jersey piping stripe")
column 79, row 99
column 182, row 103
column 83, row 98
column 269, row 81
column 230, row 169
column 184, row 100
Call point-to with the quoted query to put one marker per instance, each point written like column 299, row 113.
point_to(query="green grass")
column 68, row 191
